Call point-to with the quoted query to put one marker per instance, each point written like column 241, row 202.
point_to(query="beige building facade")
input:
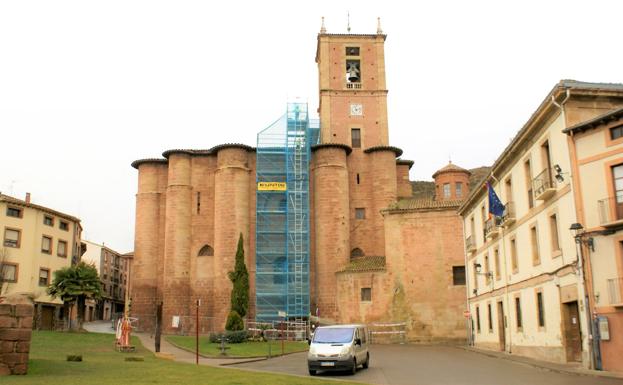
column 37, row 241
column 526, row 284
column 597, row 156
column 113, row 269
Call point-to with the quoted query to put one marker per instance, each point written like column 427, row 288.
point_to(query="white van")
column 339, row 347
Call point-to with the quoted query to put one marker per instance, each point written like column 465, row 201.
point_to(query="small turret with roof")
column 451, row 182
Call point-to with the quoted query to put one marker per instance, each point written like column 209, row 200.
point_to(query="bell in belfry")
column 352, row 72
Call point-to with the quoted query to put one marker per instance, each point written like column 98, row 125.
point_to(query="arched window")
column 356, row 253
column 206, row 251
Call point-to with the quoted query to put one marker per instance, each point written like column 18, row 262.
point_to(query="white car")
column 338, row 347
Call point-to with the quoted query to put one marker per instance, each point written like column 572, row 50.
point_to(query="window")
column 508, row 188
column 61, row 250
column 483, row 215
column 48, row 220
column 353, row 71
column 514, row 262
column 459, row 189
column 528, row 175
column 366, row 294
column 9, row 272
column 63, row 225
column 446, row 190
column 360, row 213
column 206, row 251
column 458, row 275
column 616, row 132
column 478, row 319
column 44, row 277
column 489, row 318
column 14, row 212
column 487, row 268
column 540, row 309
column 198, row 202
column 496, row 257
column 356, row 253
column 518, row 313
column 358, row 180
column 553, row 227
column 534, row 240
column 46, row 245
column 475, row 276
column 12, row 237
column 355, row 137
column 352, row 51
column 617, row 176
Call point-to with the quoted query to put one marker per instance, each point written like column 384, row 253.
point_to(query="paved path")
column 404, row 365
column 436, row 365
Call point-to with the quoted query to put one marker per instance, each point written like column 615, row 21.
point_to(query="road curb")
column 542, row 364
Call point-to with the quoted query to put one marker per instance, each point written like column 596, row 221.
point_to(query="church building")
column 331, row 227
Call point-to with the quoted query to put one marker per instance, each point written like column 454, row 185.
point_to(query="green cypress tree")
column 240, row 280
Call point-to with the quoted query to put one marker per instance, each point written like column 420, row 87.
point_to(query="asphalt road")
column 434, row 365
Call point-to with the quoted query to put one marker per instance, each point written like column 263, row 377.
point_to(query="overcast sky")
column 86, row 87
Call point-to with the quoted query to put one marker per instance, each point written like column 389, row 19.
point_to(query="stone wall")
column 16, row 314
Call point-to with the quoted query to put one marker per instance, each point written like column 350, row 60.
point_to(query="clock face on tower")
column 356, row 109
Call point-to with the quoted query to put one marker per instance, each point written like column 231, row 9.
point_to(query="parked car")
column 338, row 347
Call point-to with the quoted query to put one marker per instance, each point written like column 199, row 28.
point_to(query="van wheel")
column 354, row 369
column 367, row 363
column 312, row 372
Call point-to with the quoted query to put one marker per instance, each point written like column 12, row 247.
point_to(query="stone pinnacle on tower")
column 322, row 27
column 379, row 31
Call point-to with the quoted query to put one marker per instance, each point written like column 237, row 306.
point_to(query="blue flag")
column 495, row 205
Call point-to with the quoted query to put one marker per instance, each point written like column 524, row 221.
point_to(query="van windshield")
column 333, row 335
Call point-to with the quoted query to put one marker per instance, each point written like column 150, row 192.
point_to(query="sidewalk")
column 552, row 366
column 166, row 349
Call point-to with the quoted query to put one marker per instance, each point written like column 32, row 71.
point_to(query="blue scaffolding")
column 282, row 215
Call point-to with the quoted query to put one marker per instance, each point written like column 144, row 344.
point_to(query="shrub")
column 233, row 337
column 234, row 321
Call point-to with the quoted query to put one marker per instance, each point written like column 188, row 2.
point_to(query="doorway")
column 47, row 318
column 501, row 328
column 571, row 331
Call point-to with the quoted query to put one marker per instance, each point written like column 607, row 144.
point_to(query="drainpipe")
column 580, row 254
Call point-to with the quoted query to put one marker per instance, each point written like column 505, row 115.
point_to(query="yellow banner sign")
column 271, row 186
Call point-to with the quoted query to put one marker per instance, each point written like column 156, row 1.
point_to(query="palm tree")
column 74, row 285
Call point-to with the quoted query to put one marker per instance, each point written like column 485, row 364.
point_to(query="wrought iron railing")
column 614, row 290
column 610, row 209
column 470, row 243
column 353, row 86
column 543, row 182
column 491, row 226
column 508, row 214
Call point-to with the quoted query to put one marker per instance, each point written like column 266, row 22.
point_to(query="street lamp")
column 478, row 267
column 580, row 237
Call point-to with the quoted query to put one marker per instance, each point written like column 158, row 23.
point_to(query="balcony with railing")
column 544, row 185
column 614, row 291
column 610, row 211
column 470, row 244
column 508, row 215
column 491, row 227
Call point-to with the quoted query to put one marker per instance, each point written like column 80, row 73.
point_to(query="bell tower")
column 353, row 94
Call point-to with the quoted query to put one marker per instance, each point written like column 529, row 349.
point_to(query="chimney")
column 27, row 197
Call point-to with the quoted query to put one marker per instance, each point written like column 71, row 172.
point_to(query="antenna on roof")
column 348, row 21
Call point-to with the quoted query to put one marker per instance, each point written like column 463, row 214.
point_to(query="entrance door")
column 501, row 329
column 47, row 317
column 571, row 331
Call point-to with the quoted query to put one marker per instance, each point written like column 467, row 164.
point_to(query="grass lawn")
column 102, row 365
column 245, row 349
